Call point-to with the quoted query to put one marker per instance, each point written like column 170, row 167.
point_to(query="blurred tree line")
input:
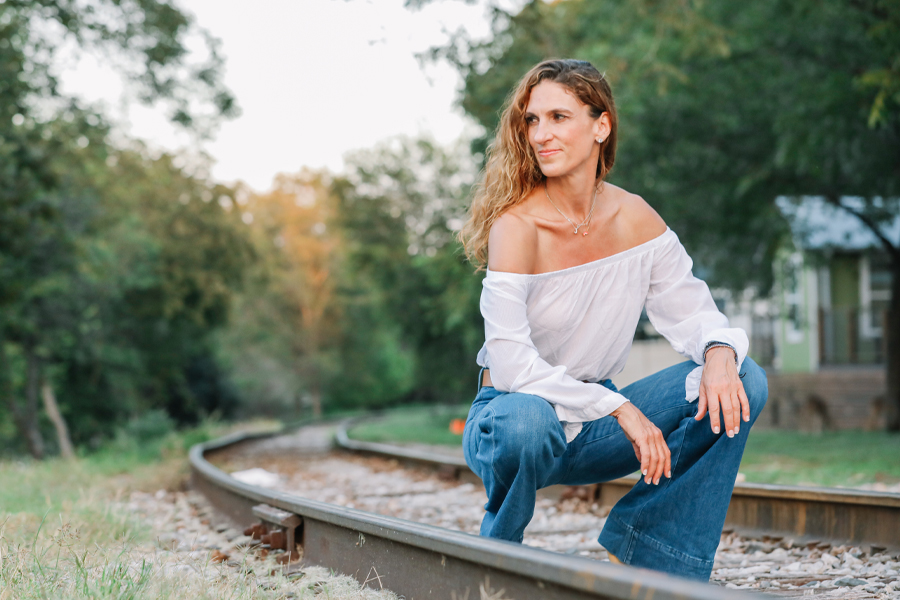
column 136, row 293
column 133, row 285
column 362, row 298
column 115, row 266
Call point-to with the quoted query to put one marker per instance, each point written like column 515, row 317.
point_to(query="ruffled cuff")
column 735, row 338
column 731, row 336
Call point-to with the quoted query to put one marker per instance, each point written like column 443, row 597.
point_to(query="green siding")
column 795, row 357
column 845, row 281
column 844, row 304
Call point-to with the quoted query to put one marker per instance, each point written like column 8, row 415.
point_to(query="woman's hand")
column 648, row 441
column 722, row 390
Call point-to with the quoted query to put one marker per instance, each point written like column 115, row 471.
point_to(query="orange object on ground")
column 457, row 426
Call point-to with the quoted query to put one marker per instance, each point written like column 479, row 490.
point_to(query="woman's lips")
column 551, row 152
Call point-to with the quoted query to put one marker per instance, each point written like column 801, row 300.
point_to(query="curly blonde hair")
column 512, row 171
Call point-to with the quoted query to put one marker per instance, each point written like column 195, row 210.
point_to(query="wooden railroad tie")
column 276, row 530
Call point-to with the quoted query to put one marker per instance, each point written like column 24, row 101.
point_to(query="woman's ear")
column 602, row 127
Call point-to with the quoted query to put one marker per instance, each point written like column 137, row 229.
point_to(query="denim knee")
column 756, row 386
column 523, row 428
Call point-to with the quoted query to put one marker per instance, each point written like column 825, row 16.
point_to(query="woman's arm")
column 516, row 365
column 682, row 309
column 721, row 388
column 512, row 244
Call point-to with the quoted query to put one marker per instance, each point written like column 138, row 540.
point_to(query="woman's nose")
column 541, row 133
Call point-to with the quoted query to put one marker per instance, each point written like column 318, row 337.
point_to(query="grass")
column 31, row 489
column 413, row 425
column 845, row 458
column 840, row 458
column 63, row 533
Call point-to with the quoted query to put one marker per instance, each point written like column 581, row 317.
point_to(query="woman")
column 571, row 260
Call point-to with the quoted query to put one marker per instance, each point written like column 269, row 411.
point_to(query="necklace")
column 587, row 219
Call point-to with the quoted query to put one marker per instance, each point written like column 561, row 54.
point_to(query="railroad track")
column 422, row 561
column 808, row 515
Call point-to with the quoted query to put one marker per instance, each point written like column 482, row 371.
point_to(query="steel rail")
column 833, row 515
column 421, row 561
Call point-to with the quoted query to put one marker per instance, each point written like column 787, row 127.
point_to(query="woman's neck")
column 573, row 193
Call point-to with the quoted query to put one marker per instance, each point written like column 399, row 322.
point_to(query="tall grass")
column 65, row 531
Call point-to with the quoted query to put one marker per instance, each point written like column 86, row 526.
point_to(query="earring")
column 599, row 140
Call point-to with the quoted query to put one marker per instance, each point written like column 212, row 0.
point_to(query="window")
column 874, row 293
column 793, row 298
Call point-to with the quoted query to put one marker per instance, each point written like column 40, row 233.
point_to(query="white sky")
column 314, row 79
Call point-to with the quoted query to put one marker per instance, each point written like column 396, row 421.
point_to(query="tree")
column 399, row 207
column 287, row 323
column 364, row 298
column 169, row 256
column 54, row 154
column 726, row 109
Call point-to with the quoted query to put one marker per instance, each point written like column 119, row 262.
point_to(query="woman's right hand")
column 648, row 441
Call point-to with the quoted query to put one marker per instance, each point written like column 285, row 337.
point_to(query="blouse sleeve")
column 516, row 365
column 681, row 308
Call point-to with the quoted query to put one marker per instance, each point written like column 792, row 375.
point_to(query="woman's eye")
column 531, row 120
column 558, row 117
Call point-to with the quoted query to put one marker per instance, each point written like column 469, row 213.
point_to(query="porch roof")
column 819, row 225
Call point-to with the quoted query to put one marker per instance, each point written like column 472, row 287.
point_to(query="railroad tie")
column 282, row 538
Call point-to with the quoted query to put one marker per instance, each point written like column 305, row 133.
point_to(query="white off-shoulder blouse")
column 556, row 334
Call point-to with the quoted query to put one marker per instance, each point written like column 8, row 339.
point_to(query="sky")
column 315, row 79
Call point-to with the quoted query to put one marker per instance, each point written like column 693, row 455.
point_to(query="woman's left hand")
column 721, row 390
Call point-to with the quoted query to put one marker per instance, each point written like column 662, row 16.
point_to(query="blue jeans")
column 516, row 445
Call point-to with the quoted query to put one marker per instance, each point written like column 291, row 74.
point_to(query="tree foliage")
column 281, row 349
column 147, row 41
column 723, row 106
column 113, row 269
column 400, row 205
column 365, row 300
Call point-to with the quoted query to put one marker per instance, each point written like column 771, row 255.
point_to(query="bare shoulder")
column 512, row 245
column 638, row 219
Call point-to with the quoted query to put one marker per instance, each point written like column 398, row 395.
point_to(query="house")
column 832, row 292
column 835, row 288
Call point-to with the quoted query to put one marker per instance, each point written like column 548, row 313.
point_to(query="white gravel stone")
column 187, row 542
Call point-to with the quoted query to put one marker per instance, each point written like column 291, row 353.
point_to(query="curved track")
column 420, row 561
column 813, row 515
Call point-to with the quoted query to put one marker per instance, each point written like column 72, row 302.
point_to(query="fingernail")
column 737, row 430
column 715, row 430
column 746, row 418
column 656, row 482
column 644, row 471
column 730, row 433
column 669, row 474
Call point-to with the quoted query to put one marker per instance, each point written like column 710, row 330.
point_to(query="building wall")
column 797, row 340
column 832, row 398
column 845, row 281
column 646, row 358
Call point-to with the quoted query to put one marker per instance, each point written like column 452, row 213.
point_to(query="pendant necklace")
column 587, row 219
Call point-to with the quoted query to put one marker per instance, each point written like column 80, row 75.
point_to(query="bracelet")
column 710, row 345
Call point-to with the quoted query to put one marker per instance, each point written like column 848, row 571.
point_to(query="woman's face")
column 561, row 130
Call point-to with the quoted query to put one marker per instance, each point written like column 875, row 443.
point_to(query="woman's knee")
column 756, row 386
column 523, row 425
